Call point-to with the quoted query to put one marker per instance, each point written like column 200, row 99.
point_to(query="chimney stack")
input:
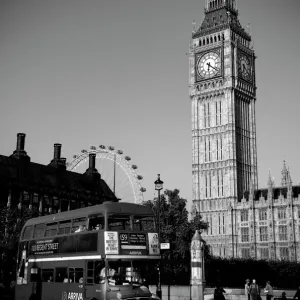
column 20, row 153
column 57, row 151
column 58, row 161
column 21, row 141
column 92, row 171
column 92, row 161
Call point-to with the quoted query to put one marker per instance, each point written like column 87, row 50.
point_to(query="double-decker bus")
column 98, row 252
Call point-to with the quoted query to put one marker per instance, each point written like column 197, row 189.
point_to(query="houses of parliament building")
column 244, row 221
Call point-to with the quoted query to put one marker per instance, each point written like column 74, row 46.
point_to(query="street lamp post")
column 158, row 187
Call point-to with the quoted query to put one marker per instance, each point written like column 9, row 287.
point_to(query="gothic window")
column 263, row 233
column 217, row 119
column 220, row 113
column 282, row 229
column 217, row 141
column 211, row 221
column 244, row 216
column 200, row 43
column 245, row 253
column 284, row 253
column 209, row 150
column 218, row 182
column 204, row 114
column 209, row 185
column 222, row 185
column 245, row 234
column 205, row 152
column 221, row 148
column 281, row 214
column 208, row 115
column 219, row 224
column 264, row 253
column 223, row 224
column 206, row 186
column 263, row 216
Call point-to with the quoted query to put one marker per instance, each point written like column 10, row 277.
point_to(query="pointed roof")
column 220, row 15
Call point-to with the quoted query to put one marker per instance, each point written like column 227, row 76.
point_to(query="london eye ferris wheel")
column 115, row 169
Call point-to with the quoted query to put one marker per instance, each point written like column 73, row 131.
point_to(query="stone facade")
column 223, row 95
column 266, row 223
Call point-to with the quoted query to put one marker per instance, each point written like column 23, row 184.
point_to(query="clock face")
column 209, row 65
column 245, row 67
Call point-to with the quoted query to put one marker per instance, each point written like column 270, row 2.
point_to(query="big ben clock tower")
column 223, row 95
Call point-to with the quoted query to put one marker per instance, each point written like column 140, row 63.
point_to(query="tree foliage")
column 176, row 229
column 12, row 221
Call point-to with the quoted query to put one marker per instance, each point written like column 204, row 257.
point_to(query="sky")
column 115, row 73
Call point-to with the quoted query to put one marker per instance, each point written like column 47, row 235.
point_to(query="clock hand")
column 210, row 66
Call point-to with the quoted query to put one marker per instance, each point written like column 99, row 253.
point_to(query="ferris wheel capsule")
column 127, row 158
column 120, row 152
column 134, row 167
column 102, row 147
column 111, row 148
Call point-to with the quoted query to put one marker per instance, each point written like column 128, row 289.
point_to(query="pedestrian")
column 283, row 296
column 268, row 291
column 219, row 293
column 247, row 289
column 297, row 295
column 254, row 290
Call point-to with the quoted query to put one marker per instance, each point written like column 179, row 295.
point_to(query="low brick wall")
column 177, row 292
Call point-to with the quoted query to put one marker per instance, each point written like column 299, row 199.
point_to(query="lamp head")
column 158, row 183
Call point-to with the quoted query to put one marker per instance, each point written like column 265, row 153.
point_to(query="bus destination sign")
column 44, row 247
column 133, row 243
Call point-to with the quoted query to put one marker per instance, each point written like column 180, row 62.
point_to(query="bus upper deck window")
column 27, row 234
column 146, row 223
column 79, row 225
column 51, row 229
column 39, row 230
column 64, row 227
column 119, row 222
column 96, row 222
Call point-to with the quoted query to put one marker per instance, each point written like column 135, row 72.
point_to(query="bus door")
column 95, row 286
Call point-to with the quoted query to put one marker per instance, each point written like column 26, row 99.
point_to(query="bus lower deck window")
column 61, row 274
column 47, row 275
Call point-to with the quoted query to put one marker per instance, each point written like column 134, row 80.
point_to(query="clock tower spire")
column 211, row 5
column 223, row 95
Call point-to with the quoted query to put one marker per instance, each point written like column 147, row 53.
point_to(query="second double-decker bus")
column 101, row 252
